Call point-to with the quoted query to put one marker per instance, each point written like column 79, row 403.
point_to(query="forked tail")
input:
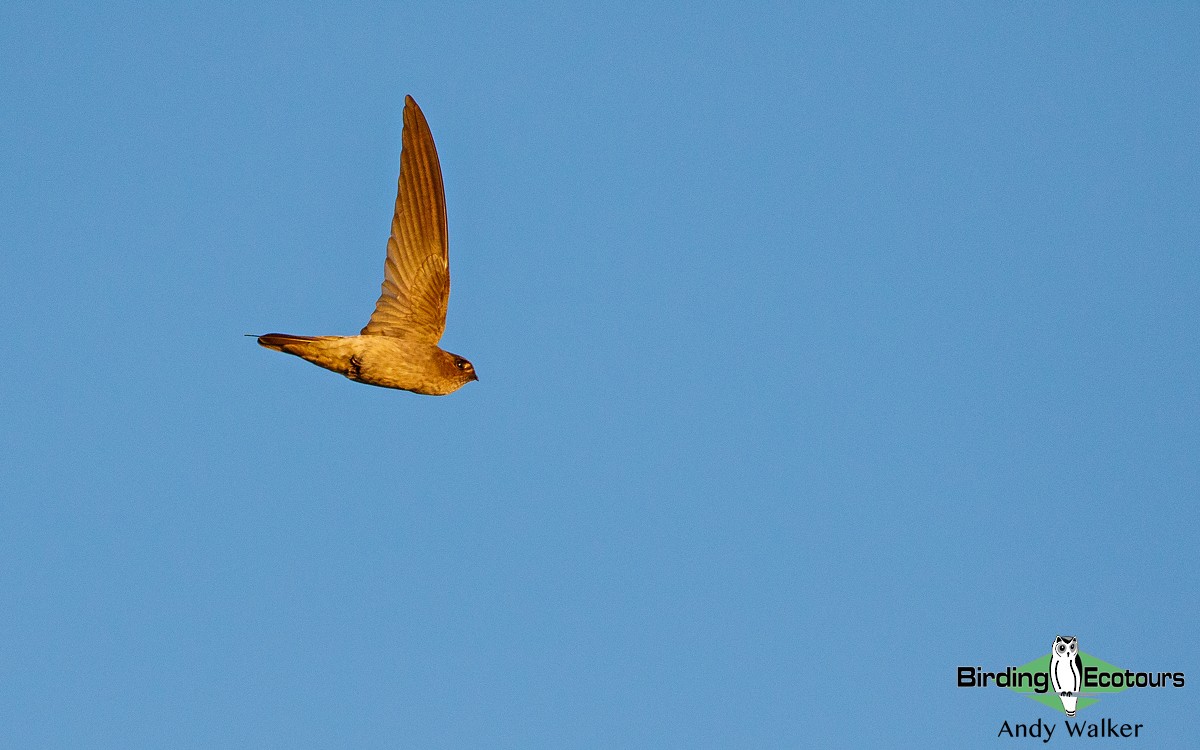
column 278, row 341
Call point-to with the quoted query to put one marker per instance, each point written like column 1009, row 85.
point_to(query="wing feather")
column 416, row 274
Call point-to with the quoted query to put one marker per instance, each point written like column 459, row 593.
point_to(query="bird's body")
column 398, row 348
column 1066, row 671
column 384, row 361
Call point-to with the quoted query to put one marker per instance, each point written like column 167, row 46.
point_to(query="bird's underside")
column 377, row 360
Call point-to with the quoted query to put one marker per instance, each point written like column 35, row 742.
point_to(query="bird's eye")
column 461, row 364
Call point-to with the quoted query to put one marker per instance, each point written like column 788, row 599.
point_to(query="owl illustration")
column 1066, row 671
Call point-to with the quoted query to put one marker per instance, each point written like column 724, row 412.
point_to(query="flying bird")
column 398, row 348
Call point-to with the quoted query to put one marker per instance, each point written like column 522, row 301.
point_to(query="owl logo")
column 1066, row 671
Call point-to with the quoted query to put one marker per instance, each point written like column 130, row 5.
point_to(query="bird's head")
column 1066, row 645
column 458, row 369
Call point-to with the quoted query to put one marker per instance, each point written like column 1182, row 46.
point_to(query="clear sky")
column 823, row 348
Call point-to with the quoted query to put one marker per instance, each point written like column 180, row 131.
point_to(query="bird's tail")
column 277, row 341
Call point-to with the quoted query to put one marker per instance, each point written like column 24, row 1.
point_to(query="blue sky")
column 823, row 349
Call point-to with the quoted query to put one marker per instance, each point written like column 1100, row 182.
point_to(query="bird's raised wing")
column 416, row 275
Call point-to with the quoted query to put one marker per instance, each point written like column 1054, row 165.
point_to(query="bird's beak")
column 474, row 376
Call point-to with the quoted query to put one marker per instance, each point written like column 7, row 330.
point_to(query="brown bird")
column 398, row 347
